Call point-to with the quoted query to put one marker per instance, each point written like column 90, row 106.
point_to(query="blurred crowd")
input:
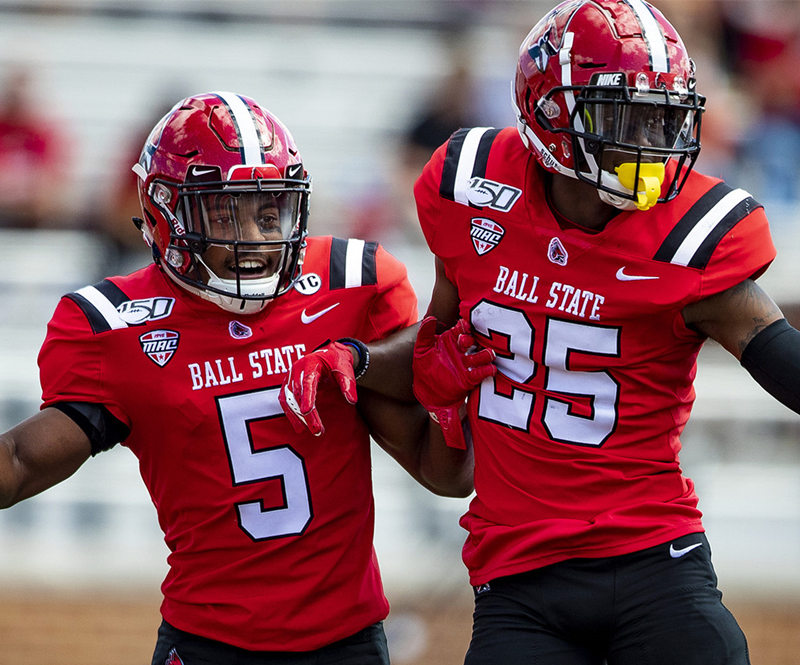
column 747, row 54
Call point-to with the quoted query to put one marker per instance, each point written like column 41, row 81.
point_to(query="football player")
column 269, row 530
column 585, row 251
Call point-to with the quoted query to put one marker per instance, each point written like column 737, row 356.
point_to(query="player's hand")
column 298, row 394
column 446, row 368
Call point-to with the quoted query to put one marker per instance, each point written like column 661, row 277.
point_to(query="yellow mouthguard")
column 651, row 176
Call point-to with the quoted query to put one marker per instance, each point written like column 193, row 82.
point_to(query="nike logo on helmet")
column 308, row 318
column 624, row 277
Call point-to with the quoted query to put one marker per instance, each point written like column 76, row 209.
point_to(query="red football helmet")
column 220, row 178
column 605, row 93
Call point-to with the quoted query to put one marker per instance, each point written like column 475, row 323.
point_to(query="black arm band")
column 103, row 429
column 363, row 355
column 773, row 359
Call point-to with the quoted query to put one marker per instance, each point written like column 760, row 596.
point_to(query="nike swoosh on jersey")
column 624, row 277
column 677, row 554
column 308, row 318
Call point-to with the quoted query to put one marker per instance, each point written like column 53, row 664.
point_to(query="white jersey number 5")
column 251, row 466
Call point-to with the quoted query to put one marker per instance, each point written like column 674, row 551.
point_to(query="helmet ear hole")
column 592, row 147
column 195, row 242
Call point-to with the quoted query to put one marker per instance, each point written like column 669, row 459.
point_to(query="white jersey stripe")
column 247, row 128
column 104, row 307
column 466, row 162
column 690, row 245
column 651, row 31
column 353, row 263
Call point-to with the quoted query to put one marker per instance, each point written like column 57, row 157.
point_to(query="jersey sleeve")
column 745, row 251
column 394, row 305
column 71, row 362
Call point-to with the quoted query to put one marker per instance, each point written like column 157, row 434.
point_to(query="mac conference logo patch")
column 485, row 233
column 160, row 345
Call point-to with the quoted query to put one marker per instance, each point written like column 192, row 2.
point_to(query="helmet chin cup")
column 648, row 184
column 619, row 202
column 231, row 303
column 252, row 288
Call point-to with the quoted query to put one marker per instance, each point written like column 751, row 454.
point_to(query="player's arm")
column 405, row 431
column 748, row 323
column 389, row 371
column 444, row 298
column 39, row 453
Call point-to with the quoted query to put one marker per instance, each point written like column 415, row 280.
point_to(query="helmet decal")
column 543, row 49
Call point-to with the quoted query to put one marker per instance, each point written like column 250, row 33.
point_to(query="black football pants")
column 660, row 606
column 176, row 647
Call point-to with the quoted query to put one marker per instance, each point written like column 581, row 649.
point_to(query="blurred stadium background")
column 354, row 80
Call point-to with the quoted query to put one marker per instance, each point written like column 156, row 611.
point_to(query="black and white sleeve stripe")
column 695, row 237
column 352, row 263
column 99, row 303
column 466, row 157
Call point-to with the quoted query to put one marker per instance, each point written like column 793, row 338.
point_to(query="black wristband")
column 363, row 355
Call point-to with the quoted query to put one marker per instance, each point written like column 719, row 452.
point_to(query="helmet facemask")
column 622, row 139
column 243, row 239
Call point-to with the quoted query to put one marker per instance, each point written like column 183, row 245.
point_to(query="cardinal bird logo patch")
column 239, row 330
column 556, row 252
column 173, row 658
column 160, row 345
column 485, row 234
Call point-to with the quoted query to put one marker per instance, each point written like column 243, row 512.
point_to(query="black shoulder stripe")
column 703, row 254
column 467, row 156
column 451, row 157
column 369, row 275
column 96, row 320
column 689, row 220
column 352, row 263
column 115, row 295
column 482, row 156
column 98, row 303
column 693, row 239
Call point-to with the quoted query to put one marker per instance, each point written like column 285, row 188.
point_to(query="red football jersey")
column 269, row 532
column 577, row 438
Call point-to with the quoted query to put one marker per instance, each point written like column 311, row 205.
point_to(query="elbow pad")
column 773, row 359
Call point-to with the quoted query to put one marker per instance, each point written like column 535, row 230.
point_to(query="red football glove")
column 445, row 371
column 298, row 394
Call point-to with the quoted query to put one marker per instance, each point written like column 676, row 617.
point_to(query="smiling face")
column 241, row 226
